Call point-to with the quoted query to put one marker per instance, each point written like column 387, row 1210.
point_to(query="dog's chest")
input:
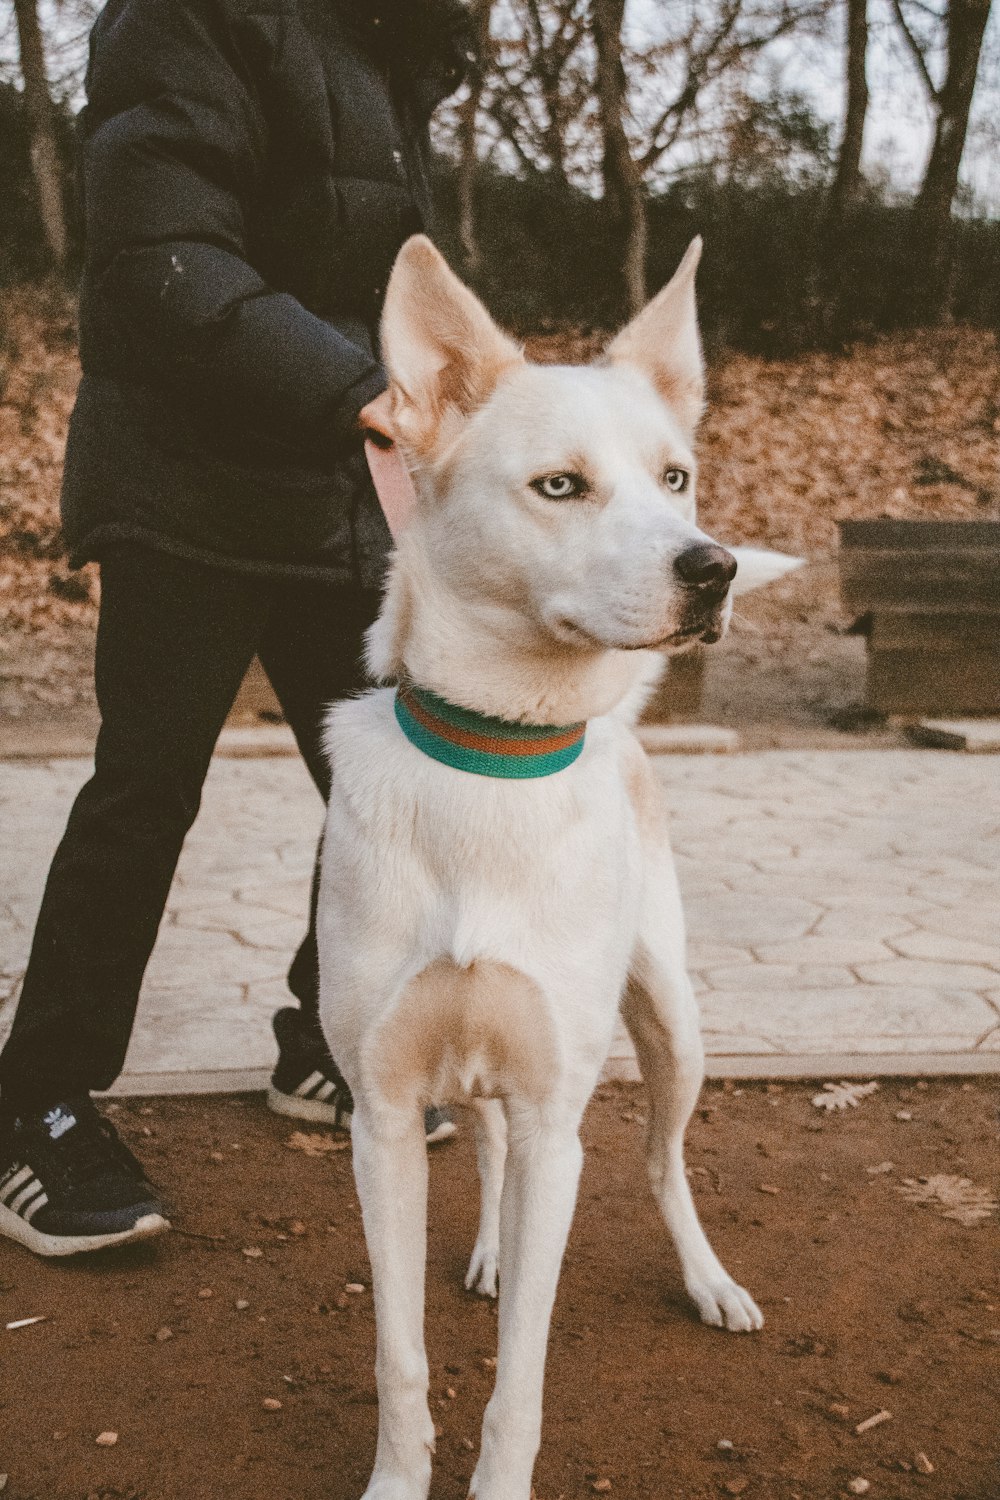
column 477, row 865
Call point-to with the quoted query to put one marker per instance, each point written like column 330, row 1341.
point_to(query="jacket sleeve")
column 172, row 156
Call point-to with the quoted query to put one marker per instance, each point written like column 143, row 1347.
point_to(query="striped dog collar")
column 474, row 742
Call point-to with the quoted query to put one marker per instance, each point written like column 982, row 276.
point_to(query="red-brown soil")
column 872, row 1303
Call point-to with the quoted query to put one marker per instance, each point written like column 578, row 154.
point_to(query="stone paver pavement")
column 843, row 911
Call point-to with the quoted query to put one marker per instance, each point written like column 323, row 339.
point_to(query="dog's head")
column 565, row 495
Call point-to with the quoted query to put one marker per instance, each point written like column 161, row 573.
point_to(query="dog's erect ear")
column 444, row 353
column 663, row 341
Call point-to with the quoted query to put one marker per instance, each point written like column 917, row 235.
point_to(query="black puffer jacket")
column 249, row 170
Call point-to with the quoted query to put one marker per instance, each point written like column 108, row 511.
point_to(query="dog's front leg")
column 661, row 1013
column 390, row 1167
column 539, row 1194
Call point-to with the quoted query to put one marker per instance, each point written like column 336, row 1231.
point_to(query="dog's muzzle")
column 706, row 571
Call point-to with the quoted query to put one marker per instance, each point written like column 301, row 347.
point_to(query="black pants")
column 173, row 642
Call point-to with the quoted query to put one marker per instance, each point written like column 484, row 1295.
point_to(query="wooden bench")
column 928, row 594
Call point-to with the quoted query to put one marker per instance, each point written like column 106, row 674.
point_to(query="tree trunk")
column 966, row 25
column 45, row 165
column 623, row 186
column 468, row 161
column 847, row 182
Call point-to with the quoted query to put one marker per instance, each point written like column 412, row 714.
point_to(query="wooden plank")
column 895, row 630
column 885, row 534
column 974, row 736
column 915, row 610
column 960, row 577
column 928, row 682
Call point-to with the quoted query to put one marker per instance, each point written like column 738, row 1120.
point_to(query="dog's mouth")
column 689, row 635
column 705, row 631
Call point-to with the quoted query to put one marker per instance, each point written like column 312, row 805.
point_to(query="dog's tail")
column 757, row 567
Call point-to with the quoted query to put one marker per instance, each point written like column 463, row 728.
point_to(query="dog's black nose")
column 706, row 566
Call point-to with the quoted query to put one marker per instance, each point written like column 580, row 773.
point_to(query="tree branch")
column 916, row 51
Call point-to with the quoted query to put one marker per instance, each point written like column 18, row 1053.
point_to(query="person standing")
column 248, row 170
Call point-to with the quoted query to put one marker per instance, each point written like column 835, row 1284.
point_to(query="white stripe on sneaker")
column 18, row 1180
column 25, row 1203
column 305, row 1089
column 17, row 1203
column 325, row 1092
column 32, row 1208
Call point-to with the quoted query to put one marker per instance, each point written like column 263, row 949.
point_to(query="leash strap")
column 392, row 482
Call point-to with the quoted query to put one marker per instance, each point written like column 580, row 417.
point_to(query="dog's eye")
column 676, row 480
column 559, row 486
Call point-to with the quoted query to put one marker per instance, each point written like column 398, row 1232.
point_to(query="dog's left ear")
column 663, row 341
column 443, row 352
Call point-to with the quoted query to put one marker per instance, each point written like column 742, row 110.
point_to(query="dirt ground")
column 873, row 1303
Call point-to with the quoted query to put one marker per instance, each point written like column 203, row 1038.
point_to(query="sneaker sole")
column 323, row 1113
column 318, row 1110
column 13, row 1227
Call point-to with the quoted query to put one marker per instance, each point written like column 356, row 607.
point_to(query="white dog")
column 498, row 881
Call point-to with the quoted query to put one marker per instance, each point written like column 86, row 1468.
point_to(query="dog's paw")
column 481, row 1276
column 722, row 1303
column 390, row 1487
column 396, row 1487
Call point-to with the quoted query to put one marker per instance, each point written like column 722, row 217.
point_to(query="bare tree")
column 846, row 186
column 623, row 185
column 482, row 12
column 964, row 23
column 536, row 97
column 45, row 165
column 705, row 49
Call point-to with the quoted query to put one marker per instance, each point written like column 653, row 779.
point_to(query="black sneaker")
column 307, row 1085
column 68, row 1184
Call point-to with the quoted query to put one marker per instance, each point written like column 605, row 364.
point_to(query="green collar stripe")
column 482, row 745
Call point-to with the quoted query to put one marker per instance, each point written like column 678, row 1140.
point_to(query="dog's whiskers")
column 744, row 624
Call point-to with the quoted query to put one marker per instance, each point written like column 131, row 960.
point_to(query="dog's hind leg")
column 539, row 1194
column 390, row 1167
column 491, row 1153
column 661, row 1014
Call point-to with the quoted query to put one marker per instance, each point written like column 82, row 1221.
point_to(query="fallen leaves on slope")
column 908, row 425
column 39, row 371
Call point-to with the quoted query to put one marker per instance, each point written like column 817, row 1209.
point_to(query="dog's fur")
column 478, row 937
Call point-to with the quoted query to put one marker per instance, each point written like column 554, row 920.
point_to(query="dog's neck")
column 487, row 656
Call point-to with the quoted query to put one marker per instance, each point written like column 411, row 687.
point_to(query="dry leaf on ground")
column 314, row 1143
column 953, row 1197
column 843, row 1095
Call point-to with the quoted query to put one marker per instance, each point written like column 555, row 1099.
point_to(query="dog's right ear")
column 444, row 353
